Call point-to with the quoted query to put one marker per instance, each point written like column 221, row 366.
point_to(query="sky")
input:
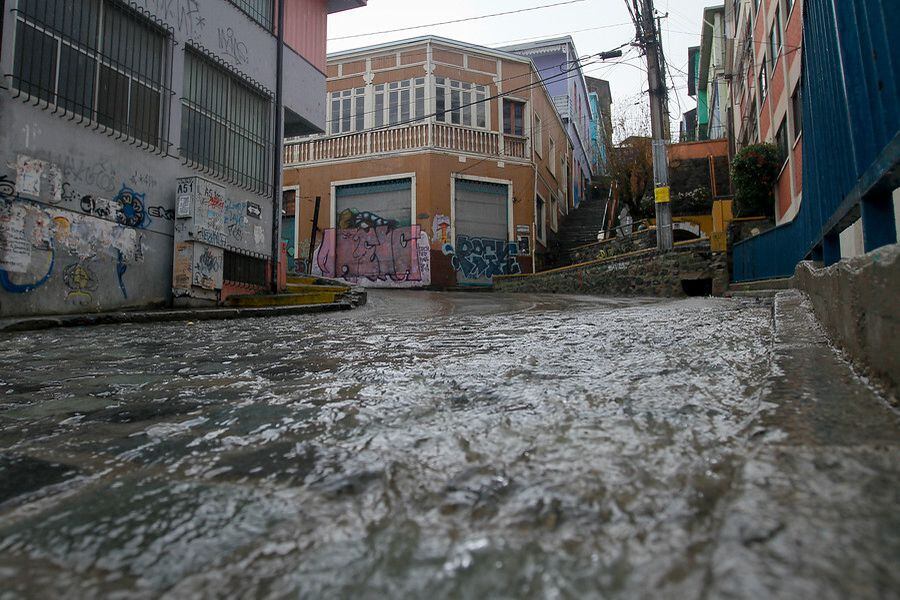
column 595, row 25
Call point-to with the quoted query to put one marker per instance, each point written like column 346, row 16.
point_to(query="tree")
column 754, row 173
column 631, row 160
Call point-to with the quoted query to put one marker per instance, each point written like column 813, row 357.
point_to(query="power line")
column 564, row 69
column 464, row 20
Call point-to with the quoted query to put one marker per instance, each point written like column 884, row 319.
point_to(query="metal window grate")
column 225, row 125
column 243, row 269
column 97, row 61
column 261, row 11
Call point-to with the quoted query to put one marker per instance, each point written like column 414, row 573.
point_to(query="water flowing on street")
column 442, row 446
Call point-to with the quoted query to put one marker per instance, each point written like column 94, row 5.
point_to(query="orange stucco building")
column 443, row 164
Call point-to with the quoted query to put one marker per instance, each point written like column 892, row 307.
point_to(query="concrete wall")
column 686, row 271
column 856, row 301
column 87, row 219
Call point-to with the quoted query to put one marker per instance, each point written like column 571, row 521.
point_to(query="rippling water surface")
column 427, row 445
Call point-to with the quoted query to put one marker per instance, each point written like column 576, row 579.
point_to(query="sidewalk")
column 14, row 324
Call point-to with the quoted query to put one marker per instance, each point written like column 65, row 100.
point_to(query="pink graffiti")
column 381, row 253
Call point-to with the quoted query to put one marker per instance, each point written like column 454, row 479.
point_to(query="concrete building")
column 557, row 61
column 708, row 81
column 600, row 96
column 444, row 164
column 763, row 54
column 139, row 142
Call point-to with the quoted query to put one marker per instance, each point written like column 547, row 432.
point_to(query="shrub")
column 754, row 174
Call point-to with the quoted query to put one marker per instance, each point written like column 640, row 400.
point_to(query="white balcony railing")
column 407, row 138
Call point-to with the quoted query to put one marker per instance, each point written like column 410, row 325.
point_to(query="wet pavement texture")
column 449, row 446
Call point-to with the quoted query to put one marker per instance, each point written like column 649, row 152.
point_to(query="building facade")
column 601, row 129
column 124, row 121
column 444, row 165
column 763, row 53
column 558, row 63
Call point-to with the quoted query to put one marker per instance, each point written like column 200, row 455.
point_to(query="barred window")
column 96, row 59
column 225, row 124
column 260, row 11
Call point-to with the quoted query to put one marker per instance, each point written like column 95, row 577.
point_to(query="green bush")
column 754, row 174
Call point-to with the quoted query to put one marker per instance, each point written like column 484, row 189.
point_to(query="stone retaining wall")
column 621, row 244
column 689, row 270
column 856, row 301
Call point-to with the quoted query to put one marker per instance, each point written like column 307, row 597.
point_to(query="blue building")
column 557, row 61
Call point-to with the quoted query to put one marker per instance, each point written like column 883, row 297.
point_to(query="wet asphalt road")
column 449, row 446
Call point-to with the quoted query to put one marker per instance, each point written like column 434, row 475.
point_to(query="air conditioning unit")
column 198, row 264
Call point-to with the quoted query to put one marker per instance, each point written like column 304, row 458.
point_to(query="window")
column 775, row 38
column 95, row 59
column 551, row 157
column 514, row 117
column 554, row 214
column 348, row 111
column 258, row 10
column 398, row 102
column 461, row 103
column 538, row 135
column 540, row 217
column 781, row 139
column 225, row 124
column 797, row 110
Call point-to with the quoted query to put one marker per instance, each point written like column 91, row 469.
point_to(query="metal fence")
column 851, row 138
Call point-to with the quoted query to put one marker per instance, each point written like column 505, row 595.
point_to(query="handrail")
column 406, row 138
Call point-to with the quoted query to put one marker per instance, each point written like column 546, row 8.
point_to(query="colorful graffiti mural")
column 368, row 250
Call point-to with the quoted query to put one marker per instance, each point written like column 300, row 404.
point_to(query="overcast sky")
column 608, row 20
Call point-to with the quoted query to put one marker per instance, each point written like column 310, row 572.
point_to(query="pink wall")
column 306, row 29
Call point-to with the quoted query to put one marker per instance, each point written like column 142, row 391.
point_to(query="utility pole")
column 649, row 40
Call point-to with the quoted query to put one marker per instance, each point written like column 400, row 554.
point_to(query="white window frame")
column 467, row 93
column 538, row 135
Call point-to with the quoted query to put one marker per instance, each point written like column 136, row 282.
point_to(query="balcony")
column 407, row 139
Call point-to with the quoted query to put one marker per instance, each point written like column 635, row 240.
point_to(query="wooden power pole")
column 650, row 41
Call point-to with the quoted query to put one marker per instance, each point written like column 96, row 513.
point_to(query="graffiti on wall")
column 207, row 269
column 483, row 258
column 369, row 250
column 80, row 283
column 440, row 227
column 31, row 236
column 236, row 221
column 183, row 14
column 130, row 208
column 233, row 47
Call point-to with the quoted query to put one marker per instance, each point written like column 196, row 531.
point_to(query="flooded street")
column 449, row 446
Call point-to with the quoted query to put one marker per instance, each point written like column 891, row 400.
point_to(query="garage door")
column 375, row 239
column 482, row 248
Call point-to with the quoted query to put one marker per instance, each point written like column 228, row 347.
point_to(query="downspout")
column 279, row 149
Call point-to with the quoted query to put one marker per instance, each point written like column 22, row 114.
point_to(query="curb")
column 160, row 316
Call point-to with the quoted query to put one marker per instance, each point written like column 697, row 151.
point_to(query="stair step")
column 764, row 284
column 303, row 298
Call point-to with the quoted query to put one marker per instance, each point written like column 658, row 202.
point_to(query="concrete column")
column 878, row 221
column 831, row 249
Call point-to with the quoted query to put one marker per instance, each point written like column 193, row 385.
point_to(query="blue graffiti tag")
column 121, row 267
column 479, row 258
column 24, row 288
column 130, row 209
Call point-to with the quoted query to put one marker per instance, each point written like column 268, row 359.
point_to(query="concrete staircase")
column 301, row 291
column 580, row 228
column 765, row 288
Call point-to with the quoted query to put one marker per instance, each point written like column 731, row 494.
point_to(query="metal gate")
column 375, row 238
column 482, row 247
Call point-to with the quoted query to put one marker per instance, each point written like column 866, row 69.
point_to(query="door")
column 482, row 247
column 375, row 238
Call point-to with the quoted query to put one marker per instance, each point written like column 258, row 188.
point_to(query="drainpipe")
column 279, row 149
